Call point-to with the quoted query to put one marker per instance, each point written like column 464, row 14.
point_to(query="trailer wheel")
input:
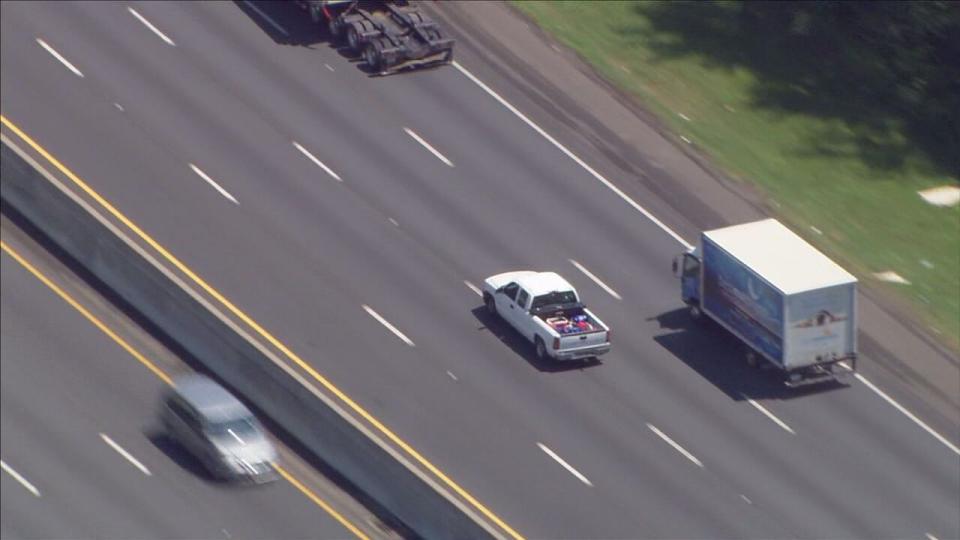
column 541, row 348
column 335, row 30
column 353, row 36
column 752, row 359
column 373, row 55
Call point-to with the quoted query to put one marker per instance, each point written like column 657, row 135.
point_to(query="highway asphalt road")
column 83, row 455
column 324, row 190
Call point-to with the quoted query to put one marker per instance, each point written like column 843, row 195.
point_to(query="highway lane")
column 335, row 244
column 78, row 417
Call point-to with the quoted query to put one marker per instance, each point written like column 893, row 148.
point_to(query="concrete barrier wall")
column 120, row 265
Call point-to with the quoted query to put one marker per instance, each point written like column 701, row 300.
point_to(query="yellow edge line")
column 90, row 317
column 260, row 330
column 163, row 376
column 320, row 502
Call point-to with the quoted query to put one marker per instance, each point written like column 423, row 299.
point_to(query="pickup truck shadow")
column 523, row 348
column 718, row 357
column 298, row 29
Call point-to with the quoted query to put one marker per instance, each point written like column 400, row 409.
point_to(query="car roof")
column 540, row 283
column 210, row 399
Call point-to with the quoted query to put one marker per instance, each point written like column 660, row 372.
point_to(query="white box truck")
column 785, row 300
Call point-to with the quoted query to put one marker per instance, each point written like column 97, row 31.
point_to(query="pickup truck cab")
column 547, row 311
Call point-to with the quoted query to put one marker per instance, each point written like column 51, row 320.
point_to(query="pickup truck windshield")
column 564, row 297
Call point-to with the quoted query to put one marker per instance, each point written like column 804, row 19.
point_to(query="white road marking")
column 16, row 476
column 118, row 106
column 473, row 287
column 272, row 22
column 906, row 413
column 215, row 185
column 426, row 145
column 745, row 498
column 646, row 213
column 389, row 326
column 452, row 376
column 676, row 446
column 686, row 140
column 328, row 66
column 565, row 465
column 319, row 163
column 155, row 30
column 685, row 117
column 931, row 537
column 595, row 279
column 57, row 55
column 771, row 416
column 394, row 222
column 573, row 156
column 125, row 454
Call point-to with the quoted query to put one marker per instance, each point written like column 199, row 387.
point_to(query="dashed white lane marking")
column 651, row 217
column 426, row 145
column 389, row 326
column 565, row 465
column 771, row 416
column 125, row 454
column 473, row 287
column 394, row 222
column 746, row 499
column 452, row 376
column 19, row 478
column 328, row 66
column 595, row 279
column 53, row 52
column 675, row 446
column 149, row 25
column 931, row 537
column 215, row 185
column 118, row 106
column 316, row 161
column 573, row 156
column 266, row 17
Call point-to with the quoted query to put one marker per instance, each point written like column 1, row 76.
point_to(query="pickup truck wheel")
column 541, row 349
column 491, row 304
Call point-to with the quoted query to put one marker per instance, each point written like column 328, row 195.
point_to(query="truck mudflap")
column 831, row 370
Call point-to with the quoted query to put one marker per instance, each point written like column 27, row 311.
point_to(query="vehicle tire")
column 491, row 304
column 752, row 359
column 541, row 349
column 373, row 55
column 354, row 39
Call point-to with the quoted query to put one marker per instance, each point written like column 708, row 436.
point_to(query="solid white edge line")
column 16, row 476
column 147, row 23
column 57, row 55
column 215, row 185
column 266, row 18
column 675, row 446
column 473, row 287
column 316, row 161
column 908, row 414
column 656, row 221
column 573, row 156
column 565, row 465
column 595, row 279
column 125, row 454
column 771, row 416
column 389, row 326
column 426, row 145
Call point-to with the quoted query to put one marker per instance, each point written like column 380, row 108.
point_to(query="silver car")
column 218, row 429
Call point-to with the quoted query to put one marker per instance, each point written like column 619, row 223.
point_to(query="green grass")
column 824, row 155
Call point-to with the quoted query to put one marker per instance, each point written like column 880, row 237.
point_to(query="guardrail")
column 223, row 348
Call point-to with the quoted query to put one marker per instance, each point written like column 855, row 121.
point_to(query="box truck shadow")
column 519, row 345
column 718, row 357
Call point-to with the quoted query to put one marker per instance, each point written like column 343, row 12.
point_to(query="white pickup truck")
column 546, row 310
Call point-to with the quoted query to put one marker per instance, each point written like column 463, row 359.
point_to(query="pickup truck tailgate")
column 577, row 341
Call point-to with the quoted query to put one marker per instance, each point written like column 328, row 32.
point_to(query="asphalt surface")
column 402, row 230
column 72, row 401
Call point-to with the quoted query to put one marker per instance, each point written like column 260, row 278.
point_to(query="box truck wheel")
column 752, row 359
column 541, row 349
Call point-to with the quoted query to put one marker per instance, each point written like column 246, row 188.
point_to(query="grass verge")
column 839, row 163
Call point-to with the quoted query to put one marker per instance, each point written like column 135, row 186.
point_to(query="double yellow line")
column 263, row 333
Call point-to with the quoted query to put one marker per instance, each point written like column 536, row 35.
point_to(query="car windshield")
column 563, row 297
column 242, row 429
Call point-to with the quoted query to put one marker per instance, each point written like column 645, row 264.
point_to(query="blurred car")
column 213, row 425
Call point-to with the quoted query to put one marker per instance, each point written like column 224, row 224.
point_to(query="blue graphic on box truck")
column 746, row 304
